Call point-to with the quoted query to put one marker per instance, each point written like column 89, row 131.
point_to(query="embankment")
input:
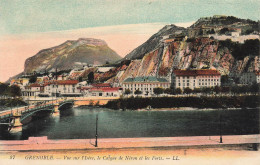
column 195, row 102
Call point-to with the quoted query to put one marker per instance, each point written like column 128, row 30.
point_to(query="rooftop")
column 102, row 85
column 145, row 79
column 196, row 72
column 104, row 89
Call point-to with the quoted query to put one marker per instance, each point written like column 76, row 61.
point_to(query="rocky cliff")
column 71, row 53
column 197, row 54
column 172, row 48
column 154, row 41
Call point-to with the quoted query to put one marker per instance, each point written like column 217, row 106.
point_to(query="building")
column 20, row 81
column 195, row 78
column 249, row 78
column 62, row 88
column 32, row 90
column 52, row 88
column 105, row 92
column 144, row 84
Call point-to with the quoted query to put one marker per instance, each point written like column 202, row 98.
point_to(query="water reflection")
column 79, row 123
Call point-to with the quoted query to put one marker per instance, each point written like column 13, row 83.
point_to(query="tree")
column 158, row 91
column 217, row 89
column 187, row 90
column 15, row 91
column 223, row 31
column 33, row 79
column 3, row 89
column 235, row 89
column 127, row 92
column 206, row 90
column 254, row 88
column 138, row 92
column 91, row 77
column 224, row 79
column 178, row 91
column 169, row 91
column 212, row 31
column 197, row 90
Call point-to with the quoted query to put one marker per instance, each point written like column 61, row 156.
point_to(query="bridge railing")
column 28, row 109
column 5, row 116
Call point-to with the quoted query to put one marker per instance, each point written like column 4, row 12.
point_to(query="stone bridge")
column 12, row 120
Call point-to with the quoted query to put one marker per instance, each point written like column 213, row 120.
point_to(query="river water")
column 80, row 123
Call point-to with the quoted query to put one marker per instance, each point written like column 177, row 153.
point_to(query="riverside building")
column 144, row 84
column 201, row 78
column 249, row 78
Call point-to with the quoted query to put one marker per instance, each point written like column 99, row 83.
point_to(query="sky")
column 27, row 26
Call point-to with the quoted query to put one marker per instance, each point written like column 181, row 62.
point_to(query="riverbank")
column 190, row 109
column 135, row 103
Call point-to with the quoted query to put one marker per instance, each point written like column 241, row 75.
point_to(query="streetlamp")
column 96, row 143
column 220, row 129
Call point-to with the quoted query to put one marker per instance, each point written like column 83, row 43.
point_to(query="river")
column 80, row 123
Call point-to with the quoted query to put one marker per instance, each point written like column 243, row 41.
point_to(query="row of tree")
column 196, row 102
column 254, row 88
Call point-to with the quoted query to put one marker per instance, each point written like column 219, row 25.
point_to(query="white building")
column 32, row 90
column 52, row 88
column 144, row 84
column 62, row 88
column 195, row 78
column 249, row 78
column 105, row 92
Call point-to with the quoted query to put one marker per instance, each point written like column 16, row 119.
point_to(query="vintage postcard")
column 129, row 82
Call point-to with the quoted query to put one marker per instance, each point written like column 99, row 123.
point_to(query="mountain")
column 221, row 20
column 154, row 41
column 201, row 28
column 71, row 53
column 192, row 48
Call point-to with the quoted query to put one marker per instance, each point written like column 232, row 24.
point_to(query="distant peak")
column 92, row 41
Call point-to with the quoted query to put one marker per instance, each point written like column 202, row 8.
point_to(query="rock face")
column 198, row 54
column 177, row 48
column 154, row 41
column 71, row 53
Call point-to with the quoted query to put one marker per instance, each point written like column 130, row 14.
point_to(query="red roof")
column 36, row 85
column 257, row 72
column 196, row 72
column 104, row 89
column 107, row 85
column 66, row 82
